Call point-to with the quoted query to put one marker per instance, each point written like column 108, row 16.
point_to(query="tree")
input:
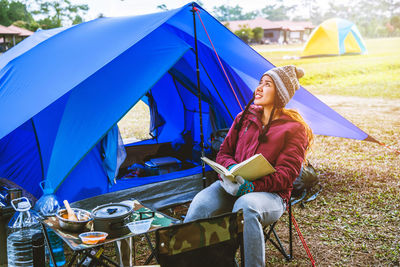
column 57, row 13
column 228, row 13
column 371, row 17
column 18, row 11
column 258, row 34
column 277, row 11
column 391, row 6
column 11, row 11
column 163, row 7
column 33, row 26
column 4, row 6
column 245, row 33
column 395, row 22
column 395, row 25
column 78, row 19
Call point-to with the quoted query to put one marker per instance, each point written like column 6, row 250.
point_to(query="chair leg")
column 278, row 244
column 280, row 247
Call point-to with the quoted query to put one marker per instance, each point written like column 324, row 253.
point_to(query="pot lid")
column 112, row 210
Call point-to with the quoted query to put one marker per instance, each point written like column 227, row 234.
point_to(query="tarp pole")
column 38, row 147
column 199, row 95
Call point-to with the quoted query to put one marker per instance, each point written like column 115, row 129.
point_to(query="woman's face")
column 264, row 94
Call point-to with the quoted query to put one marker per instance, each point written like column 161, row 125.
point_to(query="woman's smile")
column 258, row 95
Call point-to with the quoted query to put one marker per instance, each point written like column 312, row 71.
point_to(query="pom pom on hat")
column 299, row 72
column 286, row 81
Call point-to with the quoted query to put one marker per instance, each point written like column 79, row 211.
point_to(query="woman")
column 283, row 137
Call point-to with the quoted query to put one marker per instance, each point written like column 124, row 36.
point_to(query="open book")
column 251, row 169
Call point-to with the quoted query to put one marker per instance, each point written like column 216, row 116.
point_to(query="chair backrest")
column 205, row 242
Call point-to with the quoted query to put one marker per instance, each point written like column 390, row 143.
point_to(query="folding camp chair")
column 205, row 242
column 270, row 233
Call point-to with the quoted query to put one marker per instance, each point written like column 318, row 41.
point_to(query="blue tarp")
column 61, row 91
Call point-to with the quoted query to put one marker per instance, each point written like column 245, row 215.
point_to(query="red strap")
column 215, row 51
column 391, row 148
column 302, row 240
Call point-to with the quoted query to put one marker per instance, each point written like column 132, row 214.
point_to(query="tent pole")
column 38, row 145
column 199, row 95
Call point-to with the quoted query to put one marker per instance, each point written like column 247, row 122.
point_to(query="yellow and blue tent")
column 334, row 37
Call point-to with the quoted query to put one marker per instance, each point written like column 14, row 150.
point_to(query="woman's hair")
column 239, row 125
column 295, row 115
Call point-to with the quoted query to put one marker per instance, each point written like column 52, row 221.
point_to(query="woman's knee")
column 205, row 203
column 266, row 208
column 249, row 212
column 198, row 207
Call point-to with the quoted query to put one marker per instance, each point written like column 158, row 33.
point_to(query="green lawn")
column 375, row 74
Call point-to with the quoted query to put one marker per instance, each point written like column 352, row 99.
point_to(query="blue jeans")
column 259, row 208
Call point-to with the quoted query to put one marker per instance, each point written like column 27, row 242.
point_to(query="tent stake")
column 194, row 9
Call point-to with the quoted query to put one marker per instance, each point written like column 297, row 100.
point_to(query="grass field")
column 355, row 221
column 375, row 74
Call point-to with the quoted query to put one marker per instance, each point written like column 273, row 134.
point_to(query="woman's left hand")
column 229, row 186
column 245, row 186
column 239, row 188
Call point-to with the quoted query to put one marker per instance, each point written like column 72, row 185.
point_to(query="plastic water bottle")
column 48, row 205
column 22, row 226
column 39, row 259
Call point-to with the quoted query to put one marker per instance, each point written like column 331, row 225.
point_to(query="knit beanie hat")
column 286, row 81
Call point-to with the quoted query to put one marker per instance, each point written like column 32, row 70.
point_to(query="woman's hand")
column 239, row 188
column 229, row 186
column 245, row 186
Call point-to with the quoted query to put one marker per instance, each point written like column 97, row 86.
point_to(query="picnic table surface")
column 74, row 242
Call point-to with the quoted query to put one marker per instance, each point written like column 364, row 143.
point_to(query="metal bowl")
column 74, row 226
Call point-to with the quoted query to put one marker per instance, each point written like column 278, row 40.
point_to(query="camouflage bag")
column 206, row 242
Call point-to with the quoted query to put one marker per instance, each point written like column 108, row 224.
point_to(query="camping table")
column 95, row 252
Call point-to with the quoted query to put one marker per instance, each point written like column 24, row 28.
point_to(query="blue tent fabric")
column 27, row 44
column 156, row 120
column 321, row 119
column 113, row 153
column 63, row 90
column 62, row 48
column 344, row 27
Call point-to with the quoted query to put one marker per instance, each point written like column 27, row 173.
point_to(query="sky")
column 114, row 8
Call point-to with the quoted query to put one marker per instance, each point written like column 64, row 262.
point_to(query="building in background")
column 276, row 31
column 11, row 35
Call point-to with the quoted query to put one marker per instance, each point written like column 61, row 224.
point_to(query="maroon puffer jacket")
column 284, row 149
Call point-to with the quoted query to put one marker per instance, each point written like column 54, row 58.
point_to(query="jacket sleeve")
column 288, row 163
column 226, row 154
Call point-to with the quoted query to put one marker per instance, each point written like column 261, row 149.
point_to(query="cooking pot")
column 111, row 218
column 73, row 226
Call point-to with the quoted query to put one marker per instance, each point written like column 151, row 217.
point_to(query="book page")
column 253, row 168
column 216, row 167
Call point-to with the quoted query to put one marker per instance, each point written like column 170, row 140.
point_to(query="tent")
column 334, row 37
column 63, row 91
